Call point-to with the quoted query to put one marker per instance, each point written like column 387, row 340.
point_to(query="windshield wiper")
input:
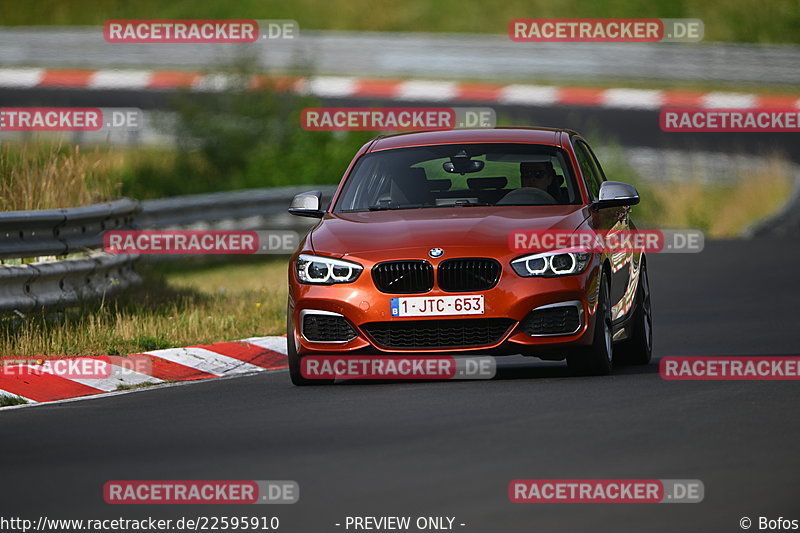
column 465, row 203
column 385, row 207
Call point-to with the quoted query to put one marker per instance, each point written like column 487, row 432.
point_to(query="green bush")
column 239, row 139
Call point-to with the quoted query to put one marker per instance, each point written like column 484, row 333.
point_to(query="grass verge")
column 734, row 20
column 138, row 386
column 186, row 304
column 37, row 175
column 41, row 176
column 721, row 209
column 6, row 401
column 196, row 305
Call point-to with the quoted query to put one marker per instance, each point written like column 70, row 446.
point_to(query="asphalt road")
column 451, row 448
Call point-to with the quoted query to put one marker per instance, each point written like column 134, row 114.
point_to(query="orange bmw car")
column 412, row 255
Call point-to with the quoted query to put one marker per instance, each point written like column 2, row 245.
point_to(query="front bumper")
column 512, row 298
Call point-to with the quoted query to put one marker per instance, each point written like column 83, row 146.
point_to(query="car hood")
column 480, row 229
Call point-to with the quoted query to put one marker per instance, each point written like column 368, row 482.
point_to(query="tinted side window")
column 600, row 173
column 588, row 169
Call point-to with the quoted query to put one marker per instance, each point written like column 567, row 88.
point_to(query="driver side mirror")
column 616, row 194
column 307, row 204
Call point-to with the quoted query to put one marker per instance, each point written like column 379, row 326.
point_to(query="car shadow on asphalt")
column 518, row 367
column 559, row 369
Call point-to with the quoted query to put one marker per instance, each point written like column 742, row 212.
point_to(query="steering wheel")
column 527, row 196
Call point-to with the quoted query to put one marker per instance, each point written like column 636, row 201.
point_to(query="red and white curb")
column 401, row 90
column 222, row 359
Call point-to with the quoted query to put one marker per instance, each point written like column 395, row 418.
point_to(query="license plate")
column 438, row 305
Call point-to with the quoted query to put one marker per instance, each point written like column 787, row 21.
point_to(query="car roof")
column 479, row 135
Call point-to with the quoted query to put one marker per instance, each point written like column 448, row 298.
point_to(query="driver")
column 536, row 178
column 538, row 174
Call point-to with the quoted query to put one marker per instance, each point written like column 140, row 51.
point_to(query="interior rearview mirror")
column 462, row 164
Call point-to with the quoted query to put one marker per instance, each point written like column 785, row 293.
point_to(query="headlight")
column 548, row 264
column 326, row 270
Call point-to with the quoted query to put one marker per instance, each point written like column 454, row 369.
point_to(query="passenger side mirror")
column 616, row 194
column 307, row 204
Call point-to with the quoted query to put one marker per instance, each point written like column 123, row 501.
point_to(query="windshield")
column 459, row 175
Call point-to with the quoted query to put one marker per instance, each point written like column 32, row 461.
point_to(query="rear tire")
column 638, row 349
column 295, row 361
column 596, row 360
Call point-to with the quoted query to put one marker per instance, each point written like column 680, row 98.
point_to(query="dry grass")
column 42, row 176
column 720, row 208
column 6, row 401
column 733, row 20
column 202, row 305
column 46, row 176
column 723, row 210
column 185, row 304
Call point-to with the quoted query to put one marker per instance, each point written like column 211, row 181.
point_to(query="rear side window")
column 591, row 173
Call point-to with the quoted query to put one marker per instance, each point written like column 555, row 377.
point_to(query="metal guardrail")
column 65, row 282
column 42, row 237
column 25, row 234
column 250, row 209
column 401, row 54
column 62, row 232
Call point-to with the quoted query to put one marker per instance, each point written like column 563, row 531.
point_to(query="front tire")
column 295, row 361
column 638, row 349
column 596, row 360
